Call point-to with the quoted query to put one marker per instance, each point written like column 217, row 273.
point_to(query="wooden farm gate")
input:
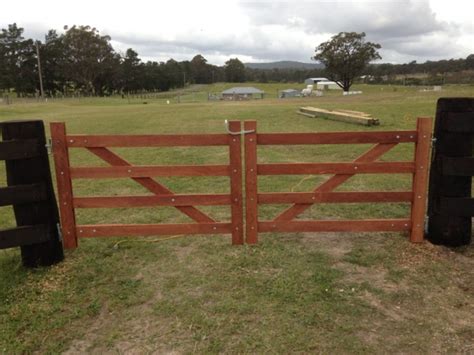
column 144, row 175
column 365, row 164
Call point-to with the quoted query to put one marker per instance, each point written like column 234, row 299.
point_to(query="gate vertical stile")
column 235, row 161
column 420, row 178
column 251, row 183
column 64, row 184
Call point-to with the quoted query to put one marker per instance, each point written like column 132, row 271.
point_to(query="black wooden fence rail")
column 450, row 204
column 30, row 192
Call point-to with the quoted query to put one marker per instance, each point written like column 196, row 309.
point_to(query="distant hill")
column 284, row 64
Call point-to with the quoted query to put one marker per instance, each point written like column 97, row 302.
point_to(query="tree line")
column 82, row 61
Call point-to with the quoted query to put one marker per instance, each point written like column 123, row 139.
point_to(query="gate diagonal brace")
column 150, row 184
column 336, row 180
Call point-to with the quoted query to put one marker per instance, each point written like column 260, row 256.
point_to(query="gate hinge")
column 427, row 220
column 49, row 145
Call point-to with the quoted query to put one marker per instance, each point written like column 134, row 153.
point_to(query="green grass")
column 302, row 292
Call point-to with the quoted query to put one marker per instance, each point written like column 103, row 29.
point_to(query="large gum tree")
column 345, row 56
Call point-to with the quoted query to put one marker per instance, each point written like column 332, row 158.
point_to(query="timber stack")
column 348, row 116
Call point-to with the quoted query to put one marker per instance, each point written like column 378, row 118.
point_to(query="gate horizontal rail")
column 336, row 138
column 149, row 201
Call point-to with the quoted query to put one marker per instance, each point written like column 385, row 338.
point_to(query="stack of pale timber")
column 348, row 116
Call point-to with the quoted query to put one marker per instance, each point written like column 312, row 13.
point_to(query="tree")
column 234, row 71
column 200, row 70
column 346, row 56
column 470, row 62
column 89, row 59
column 17, row 61
column 132, row 79
column 52, row 62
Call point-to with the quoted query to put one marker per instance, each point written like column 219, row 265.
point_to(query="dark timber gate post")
column 450, row 205
column 30, row 171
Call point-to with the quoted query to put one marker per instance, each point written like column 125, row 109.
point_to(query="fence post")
column 251, row 183
column 34, row 170
column 420, row 178
column 63, row 178
column 235, row 159
column 454, row 131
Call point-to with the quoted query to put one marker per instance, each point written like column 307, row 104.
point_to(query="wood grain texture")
column 334, row 197
column 64, row 184
column 148, row 171
column 251, row 183
column 368, row 225
column 235, row 159
column 336, row 168
column 169, row 140
column 150, row 201
column 420, row 179
column 118, row 230
column 336, row 138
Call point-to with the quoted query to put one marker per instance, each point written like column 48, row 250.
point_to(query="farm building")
column 289, row 93
column 242, row 93
column 327, row 85
column 312, row 81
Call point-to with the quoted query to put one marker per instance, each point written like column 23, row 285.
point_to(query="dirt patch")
column 334, row 244
column 137, row 330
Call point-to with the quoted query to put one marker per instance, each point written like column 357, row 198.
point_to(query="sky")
column 257, row 31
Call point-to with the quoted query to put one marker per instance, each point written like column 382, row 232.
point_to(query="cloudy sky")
column 258, row 31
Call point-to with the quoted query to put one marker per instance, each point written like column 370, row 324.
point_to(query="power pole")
column 39, row 69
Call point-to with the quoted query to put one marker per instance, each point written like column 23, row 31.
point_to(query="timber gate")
column 30, row 192
column 451, row 205
column 119, row 168
column 365, row 164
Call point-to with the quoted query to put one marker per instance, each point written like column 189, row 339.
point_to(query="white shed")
column 328, row 85
column 312, row 81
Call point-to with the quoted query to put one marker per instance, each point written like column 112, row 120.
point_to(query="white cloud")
column 258, row 30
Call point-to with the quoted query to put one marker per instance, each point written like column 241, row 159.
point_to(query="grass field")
column 304, row 292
